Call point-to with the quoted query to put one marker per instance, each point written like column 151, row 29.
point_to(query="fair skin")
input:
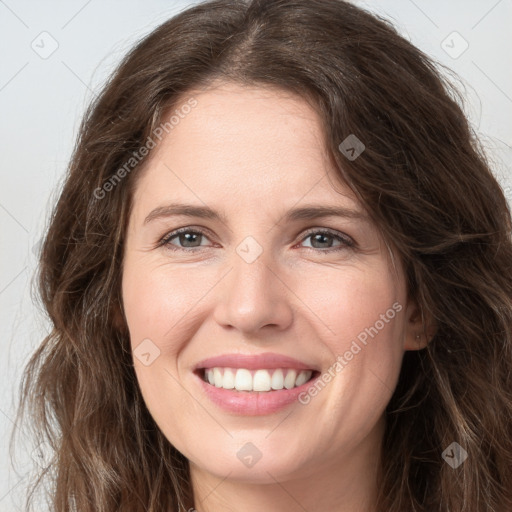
column 253, row 154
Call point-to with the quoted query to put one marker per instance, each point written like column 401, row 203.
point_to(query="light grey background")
column 42, row 98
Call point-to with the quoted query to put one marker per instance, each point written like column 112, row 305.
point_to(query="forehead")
column 245, row 144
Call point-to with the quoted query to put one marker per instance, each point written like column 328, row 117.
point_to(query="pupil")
column 187, row 237
column 320, row 236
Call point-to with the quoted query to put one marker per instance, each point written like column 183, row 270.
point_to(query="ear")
column 420, row 329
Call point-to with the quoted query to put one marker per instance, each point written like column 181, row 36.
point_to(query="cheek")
column 365, row 317
column 158, row 302
column 350, row 302
column 157, row 305
column 161, row 307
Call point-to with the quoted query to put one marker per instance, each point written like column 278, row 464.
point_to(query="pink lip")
column 252, row 403
column 266, row 361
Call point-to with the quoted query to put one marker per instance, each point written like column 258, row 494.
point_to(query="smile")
column 254, row 384
column 261, row 380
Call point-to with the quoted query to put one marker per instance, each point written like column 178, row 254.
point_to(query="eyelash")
column 347, row 242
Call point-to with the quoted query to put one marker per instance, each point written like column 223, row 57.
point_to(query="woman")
column 339, row 338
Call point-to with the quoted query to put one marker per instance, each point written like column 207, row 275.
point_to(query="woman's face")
column 255, row 296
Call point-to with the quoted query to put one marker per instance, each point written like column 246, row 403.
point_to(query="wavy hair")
column 423, row 177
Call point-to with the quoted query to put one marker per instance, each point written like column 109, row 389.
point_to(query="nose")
column 254, row 295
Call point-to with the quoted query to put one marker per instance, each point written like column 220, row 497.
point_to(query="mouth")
column 254, row 384
column 245, row 380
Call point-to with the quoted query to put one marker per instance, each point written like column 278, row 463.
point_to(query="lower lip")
column 253, row 403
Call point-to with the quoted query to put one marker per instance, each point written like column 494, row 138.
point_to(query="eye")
column 186, row 236
column 321, row 240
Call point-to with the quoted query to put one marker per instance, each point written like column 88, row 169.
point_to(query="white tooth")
column 228, row 381
column 261, row 381
column 289, row 380
column 217, row 375
column 303, row 377
column 277, row 379
column 243, row 380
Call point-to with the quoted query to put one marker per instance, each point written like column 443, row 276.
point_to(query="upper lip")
column 268, row 360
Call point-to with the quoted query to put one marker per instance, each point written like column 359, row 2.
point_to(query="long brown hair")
column 423, row 177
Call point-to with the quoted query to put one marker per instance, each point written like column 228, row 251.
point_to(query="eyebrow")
column 204, row 212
